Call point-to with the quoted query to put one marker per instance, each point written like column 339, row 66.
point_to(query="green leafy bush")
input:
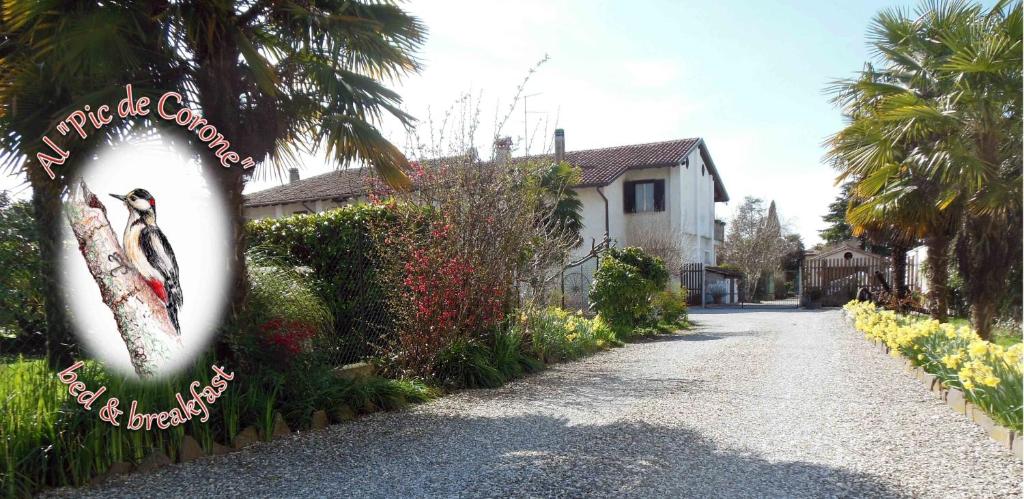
column 522, row 345
column 624, row 285
column 285, row 317
column 510, row 353
column 467, row 363
column 670, row 307
column 478, row 363
column 22, row 317
column 336, row 245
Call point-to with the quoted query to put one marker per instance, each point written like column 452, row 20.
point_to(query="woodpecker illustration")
column 148, row 251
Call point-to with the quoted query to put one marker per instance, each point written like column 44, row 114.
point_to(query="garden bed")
column 940, row 385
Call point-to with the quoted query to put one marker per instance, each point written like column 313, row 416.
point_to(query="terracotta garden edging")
column 955, row 399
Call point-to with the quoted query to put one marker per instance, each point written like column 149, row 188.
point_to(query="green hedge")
column 336, row 245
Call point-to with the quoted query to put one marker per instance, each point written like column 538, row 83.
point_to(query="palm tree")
column 288, row 76
column 56, row 57
column 934, row 139
column 560, row 204
column 275, row 77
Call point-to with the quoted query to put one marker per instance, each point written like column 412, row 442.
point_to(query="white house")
column 663, row 188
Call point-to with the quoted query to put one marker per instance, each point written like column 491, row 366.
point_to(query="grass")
column 1001, row 335
column 47, row 439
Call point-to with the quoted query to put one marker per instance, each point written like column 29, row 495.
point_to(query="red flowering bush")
column 440, row 292
column 291, row 337
column 456, row 252
column 285, row 317
column 440, row 286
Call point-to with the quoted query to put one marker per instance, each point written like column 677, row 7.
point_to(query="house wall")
column 689, row 211
column 593, row 218
column 916, row 258
column 697, row 191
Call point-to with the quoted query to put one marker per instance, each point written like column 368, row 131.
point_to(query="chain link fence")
column 356, row 320
column 577, row 279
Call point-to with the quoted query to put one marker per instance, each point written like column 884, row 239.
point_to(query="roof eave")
column 721, row 195
column 293, row 201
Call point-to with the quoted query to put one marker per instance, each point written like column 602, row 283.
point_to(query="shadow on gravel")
column 697, row 334
column 543, row 456
column 749, row 309
column 665, row 338
column 428, row 454
column 700, row 337
column 693, row 334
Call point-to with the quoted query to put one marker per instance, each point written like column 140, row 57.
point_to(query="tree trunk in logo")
column 141, row 316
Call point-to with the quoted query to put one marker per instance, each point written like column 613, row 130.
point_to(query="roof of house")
column 331, row 185
column 851, row 245
column 600, row 167
column 724, row 271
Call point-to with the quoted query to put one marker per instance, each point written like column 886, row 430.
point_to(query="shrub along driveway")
column 756, row 402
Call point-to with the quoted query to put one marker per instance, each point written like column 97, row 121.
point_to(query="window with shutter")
column 644, row 196
column 629, row 197
column 659, row 195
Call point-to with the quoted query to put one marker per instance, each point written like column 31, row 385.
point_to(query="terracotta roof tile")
column 331, row 185
column 602, row 166
column 599, row 167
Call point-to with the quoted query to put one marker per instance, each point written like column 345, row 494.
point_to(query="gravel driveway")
column 763, row 402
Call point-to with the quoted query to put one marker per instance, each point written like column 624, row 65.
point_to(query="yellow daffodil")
column 978, row 349
column 951, row 361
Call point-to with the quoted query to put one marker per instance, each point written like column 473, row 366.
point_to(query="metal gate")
column 691, row 277
column 578, row 277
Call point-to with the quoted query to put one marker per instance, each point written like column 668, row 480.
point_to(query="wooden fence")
column 840, row 280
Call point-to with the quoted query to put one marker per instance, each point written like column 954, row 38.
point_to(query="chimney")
column 503, row 149
column 293, row 175
column 559, row 145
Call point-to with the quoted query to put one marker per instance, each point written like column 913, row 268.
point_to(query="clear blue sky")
column 747, row 76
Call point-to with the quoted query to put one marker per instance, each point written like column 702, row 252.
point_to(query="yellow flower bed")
column 989, row 374
column 557, row 334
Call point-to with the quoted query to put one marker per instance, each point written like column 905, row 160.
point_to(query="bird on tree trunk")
column 148, row 250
